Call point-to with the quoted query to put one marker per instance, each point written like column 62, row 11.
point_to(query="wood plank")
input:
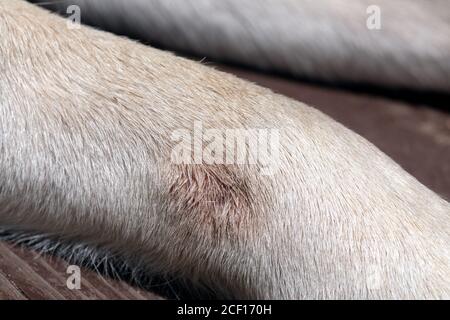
column 22, row 276
column 9, row 291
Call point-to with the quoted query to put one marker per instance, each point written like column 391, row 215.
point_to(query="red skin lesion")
column 217, row 197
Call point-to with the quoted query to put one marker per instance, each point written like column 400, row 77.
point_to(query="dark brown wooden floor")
column 26, row 275
column 415, row 135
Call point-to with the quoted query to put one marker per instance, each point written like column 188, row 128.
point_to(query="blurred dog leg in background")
column 326, row 40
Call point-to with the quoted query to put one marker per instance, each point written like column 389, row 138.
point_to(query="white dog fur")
column 319, row 39
column 86, row 120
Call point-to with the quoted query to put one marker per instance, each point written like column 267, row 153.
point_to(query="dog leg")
column 327, row 40
column 88, row 127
